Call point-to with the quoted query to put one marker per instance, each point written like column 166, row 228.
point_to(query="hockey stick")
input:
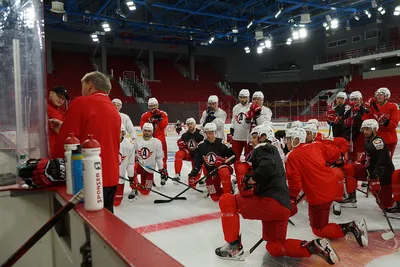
column 394, row 218
column 359, row 190
column 173, row 179
column 248, row 252
column 43, row 230
column 157, row 201
column 388, row 235
column 154, row 191
column 297, row 202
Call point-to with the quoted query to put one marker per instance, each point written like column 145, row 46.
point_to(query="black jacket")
column 338, row 129
column 353, row 131
column 269, row 174
column 378, row 161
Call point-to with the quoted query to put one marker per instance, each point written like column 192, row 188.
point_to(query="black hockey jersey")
column 354, row 131
column 378, row 161
column 269, row 174
column 192, row 140
column 338, row 129
column 207, row 152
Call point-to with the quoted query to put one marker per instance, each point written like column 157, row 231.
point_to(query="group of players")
column 278, row 169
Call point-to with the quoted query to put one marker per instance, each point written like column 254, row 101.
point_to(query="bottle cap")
column 71, row 140
column 90, row 143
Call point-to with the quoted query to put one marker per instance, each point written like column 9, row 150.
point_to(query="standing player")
column 334, row 116
column 376, row 167
column 126, row 165
column 149, row 153
column 257, row 113
column 178, row 127
column 187, row 145
column 159, row 120
column 215, row 115
column 387, row 115
column 126, row 121
column 264, row 196
column 307, row 170
column 238, row 134
column 213, row 152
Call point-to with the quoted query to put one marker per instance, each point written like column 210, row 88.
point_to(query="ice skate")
column 231, row 251
column 133, row 194
column 350, row 201
column 163, row 181
column 177, row 178
column 202, row 183
column 394, row 209
column 364, row 184
column 337, row 210
column 323, row 248
column 359, row 229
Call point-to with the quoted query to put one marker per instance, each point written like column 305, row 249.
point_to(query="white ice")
column 193, row 245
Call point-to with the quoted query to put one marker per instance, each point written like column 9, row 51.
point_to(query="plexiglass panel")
column 22, row 90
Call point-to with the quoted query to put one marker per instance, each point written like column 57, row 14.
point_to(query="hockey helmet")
column 213, row 99
column 296, row 124
column 299, row 133
column 370, row 123
column 210, row 127
column 310, row 127
column 190, row 121
column 148, row 126
column 342, row 95
column 244, row 93
column 152, row 101
column 123, row 129
column 356, row 95
column 383, row 90
column 313, row 121
column 258, row 94
column 267, row 131
column 117, row 101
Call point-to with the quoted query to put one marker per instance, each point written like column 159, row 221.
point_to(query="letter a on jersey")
column 239, row 117
column 191, row 145
column 210, row 158
column 145, row 153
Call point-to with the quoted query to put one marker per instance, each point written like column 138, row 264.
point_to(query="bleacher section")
column 119, row 65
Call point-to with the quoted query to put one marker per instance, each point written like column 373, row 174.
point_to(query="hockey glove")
column 248, row 116
column 181, row 144
column 40, row 173
column 330, row 116
column 193, row 173
column 383, row 119
column 371, row 103
column 355, row 107
column 294, row 206
column 374, row 186
column 255, row 109
column 155, row 111
column 164, row 174
column 349, row 122
column 245, row 188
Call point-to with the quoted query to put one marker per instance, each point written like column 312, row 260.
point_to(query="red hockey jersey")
column 159, row 128
column 94, row 114
column 53, row 113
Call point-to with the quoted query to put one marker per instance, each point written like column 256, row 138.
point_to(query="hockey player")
column 149, row 153
column 159, row 119
column 213, row 152
column 126, row 121
column 375, row 166
column 387, row 115
column 353, row 118
column 178, row 127
column 334, row 116
column 238, row 134
column 187, row 145
column 264, row 196
column 306, row 170
column 215, row 115
column 257, row 113
column 126, row 165
column 57, row 97
column 319, row 135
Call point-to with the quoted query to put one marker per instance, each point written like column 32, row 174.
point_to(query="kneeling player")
column 377, row 167
column 213, row 152
column 306, row 170
column 126, row 164
column 149, row 153
column 187, row 145
column 264, row 196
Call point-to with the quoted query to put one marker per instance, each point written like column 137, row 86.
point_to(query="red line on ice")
column 177, row 223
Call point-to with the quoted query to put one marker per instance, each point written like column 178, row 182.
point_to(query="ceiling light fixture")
column 106, row 26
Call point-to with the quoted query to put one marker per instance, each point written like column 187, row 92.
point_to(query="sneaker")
column 133, row 194
column 395, row 208
column 322, row 248
column 231, row 251
column 177, row 178
column 358, row 229
column 350, row 201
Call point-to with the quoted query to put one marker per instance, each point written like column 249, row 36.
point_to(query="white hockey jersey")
column 238, row 116
column 150, row 153
column 126, row 159
column 126, row 121
column 276, row 143
column 266, row 115
column 220, row 119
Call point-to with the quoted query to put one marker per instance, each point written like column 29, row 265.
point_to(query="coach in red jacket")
column 57, row 97
column 93, row 113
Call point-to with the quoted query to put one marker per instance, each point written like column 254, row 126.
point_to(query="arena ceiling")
column 213, row 22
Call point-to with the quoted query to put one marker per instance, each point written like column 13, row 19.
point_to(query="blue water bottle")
column 77, row 171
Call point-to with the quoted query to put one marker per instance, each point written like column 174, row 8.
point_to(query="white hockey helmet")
column 256, row 129
column 152, row 101
column 117, row 101
column 212, row 99
column 296, row 124
column 314, row 121
column 123, row 129
column 310, row 127
column 268, row 131
column 289, row 132
column 244, row 93
column 210, row 127
column 148, row 126
column 370, row 123
column 190, row 120
column 258, row 94
column 385, row 91
column 299, row 133
column 355, row 95
column 342, row 95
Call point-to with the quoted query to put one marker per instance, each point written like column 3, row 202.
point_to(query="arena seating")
column 120, row 64
column 368, row 86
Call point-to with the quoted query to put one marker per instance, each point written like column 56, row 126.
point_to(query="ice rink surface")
column 190, row 230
